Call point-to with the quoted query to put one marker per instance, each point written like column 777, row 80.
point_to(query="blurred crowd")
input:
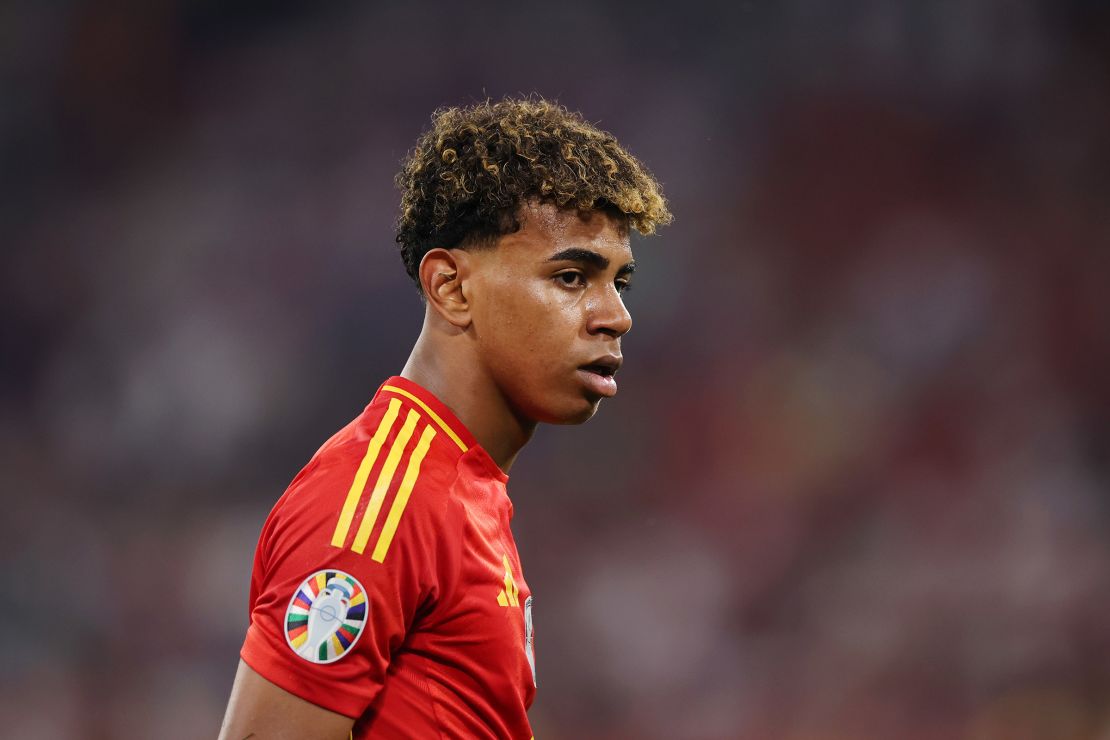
column 856, row 483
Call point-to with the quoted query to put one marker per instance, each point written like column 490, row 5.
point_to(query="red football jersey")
column 387, row 585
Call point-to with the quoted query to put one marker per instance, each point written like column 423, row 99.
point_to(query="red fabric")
column 438, row 656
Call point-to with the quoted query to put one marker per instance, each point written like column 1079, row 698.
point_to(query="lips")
column 599, row 370
column 598, row 375
column 606, row 365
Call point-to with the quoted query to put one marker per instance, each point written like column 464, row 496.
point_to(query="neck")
column 443, row 368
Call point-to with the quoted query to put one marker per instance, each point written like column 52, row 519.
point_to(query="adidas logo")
column 510, row 595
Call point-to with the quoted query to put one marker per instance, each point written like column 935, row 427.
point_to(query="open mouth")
column 601, row 370
column 598, row 375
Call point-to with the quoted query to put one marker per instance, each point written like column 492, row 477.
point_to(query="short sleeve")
column 329, row 608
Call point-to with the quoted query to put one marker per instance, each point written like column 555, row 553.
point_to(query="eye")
column 571, row 279
column 623, row 286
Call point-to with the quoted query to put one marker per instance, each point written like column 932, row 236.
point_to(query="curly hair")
column 469, row 174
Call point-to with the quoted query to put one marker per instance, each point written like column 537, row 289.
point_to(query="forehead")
column 546, row 229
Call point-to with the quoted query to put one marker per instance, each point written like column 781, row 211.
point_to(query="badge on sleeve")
column 325, row 616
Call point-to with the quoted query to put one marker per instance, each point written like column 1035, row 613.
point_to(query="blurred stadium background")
column 856, row 483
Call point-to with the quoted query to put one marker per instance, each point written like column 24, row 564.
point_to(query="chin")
column 572, row 407
column 579, row 413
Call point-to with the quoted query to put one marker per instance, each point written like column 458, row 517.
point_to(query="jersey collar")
column 444, row 418
column 433, row 407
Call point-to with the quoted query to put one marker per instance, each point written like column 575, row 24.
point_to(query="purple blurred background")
column 857, row 480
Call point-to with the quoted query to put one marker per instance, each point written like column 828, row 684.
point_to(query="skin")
column 262, row 711
column 506, row 330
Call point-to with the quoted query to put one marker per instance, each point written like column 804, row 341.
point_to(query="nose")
column 609, row 315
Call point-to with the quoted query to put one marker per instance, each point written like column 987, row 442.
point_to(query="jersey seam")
column 426, row 683
column 462, row 539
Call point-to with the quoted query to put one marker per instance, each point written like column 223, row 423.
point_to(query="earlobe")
column 442, row 274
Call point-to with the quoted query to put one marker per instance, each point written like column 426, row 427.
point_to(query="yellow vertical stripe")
column 412, row 472
column 389, row 467
column 358, row 485
column 438, row 419
column 511, row 591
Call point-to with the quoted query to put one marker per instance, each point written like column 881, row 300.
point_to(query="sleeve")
column 326, row 619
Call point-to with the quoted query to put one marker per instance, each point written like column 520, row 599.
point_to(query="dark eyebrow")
column 577, row 254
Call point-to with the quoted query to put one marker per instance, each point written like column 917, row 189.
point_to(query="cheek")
column 529, row 328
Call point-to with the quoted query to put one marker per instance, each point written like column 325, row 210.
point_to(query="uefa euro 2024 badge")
column 325, row 616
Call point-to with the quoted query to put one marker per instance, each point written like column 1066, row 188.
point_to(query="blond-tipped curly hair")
column 469, row 174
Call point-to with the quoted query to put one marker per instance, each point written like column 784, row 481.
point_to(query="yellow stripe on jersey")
column 358, row 485
column 384, row 479
column 510, row 595
column 412, row 472
column 442, row 424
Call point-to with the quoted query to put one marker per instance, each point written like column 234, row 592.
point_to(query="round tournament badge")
column 325, row 616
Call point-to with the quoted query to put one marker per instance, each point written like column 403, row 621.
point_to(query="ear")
column 443, row 274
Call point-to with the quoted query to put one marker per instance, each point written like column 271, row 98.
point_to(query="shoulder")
column 386, row 476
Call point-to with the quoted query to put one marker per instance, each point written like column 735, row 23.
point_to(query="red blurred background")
column 857, row 480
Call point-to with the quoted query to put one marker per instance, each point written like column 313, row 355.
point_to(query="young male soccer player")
column 387, row 598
